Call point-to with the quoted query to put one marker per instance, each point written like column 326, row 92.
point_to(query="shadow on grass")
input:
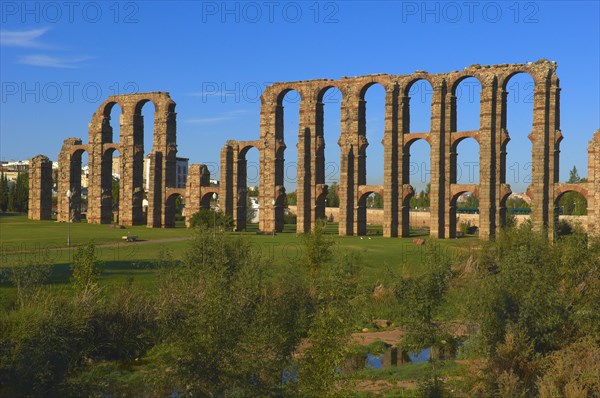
column 61, row 273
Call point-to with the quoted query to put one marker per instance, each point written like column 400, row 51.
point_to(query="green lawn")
column 32, row 242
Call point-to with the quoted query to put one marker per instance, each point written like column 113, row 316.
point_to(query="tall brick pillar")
column 501, row 140
column 69, row 178
column 449, row 155
column 305, row 183
column 40, row 188
column 540, row 138
column 348, row 152
column 100, row 168
column 404, row 164
column 227, row 181
column 553, row 150
column 271, row 162
column 154, row 214
column 198, row 178
column 165, row 142
column 128, row 173
column 438, row 159
column 241, row 193
column 488, row 160
column 391, row 164
column 594, row 185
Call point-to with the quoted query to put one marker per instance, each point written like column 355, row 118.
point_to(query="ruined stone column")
column 594, row 185
column 438, row 159
column 228, row 186
column 100, row 177
column 129, row 150
column 197, row 179
column 541, row 207
column 391, row 164
column 271, row 121
column 348, row 151
column 154, row 215
column 165, row 141
column 69, row 178
column 488, row 161
column 240, row 192
column 553, row 149
column 40, row 188
column 501, row 139
column 305, row 182
column 404, row 166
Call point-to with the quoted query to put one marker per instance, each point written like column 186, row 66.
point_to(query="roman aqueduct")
column 443, row 138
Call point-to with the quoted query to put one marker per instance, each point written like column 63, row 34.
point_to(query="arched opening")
column 365, row 203
column 372, row 127
column 517, row 120
column 78, row 185
column 570, row 209
column 286, row 163
column 174, row 210
column 247, row 208
column 143, row 135
column 514, row 209
column 465, row 161
column 464, row 214
column 467, row 95
column 374, row 205
column 111, row 187
column 417, row 169
column 420, row 93
column 572, row 203
column 114, row 113
column 328, row 154
column 84, row 184
column 208, row 202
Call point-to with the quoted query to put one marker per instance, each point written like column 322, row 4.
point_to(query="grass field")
column 34, row 242
column 25, row 242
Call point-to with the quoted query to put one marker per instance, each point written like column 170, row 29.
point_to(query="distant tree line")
column 14, row 197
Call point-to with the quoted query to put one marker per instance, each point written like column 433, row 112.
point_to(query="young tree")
column 18, row 198
column 115, row 193
column 574, row 176
column 291, row 199
column 86, row 268
column 333, row 199
column 3, row 193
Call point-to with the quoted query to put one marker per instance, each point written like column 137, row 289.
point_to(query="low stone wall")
column 421, row 218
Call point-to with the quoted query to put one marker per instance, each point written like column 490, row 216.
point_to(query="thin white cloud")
column 23, row 38
column 216, row 119
column 208, row 120
column 48, row 61
column 212, row 94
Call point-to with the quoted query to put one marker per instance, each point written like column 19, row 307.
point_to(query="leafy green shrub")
column 208, row 218
column 86, row 268
column 290, row 218
column 29, row 279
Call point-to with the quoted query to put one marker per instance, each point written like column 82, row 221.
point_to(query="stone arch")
column 561, row 190
column 407, row 91
column 241, row 185
column 109, row 211
column 171, row 209
column 69, row 178
column 162, row 159
column 455, row 176
column 205, row 199
column 410, row 172
column 455, row 101
column 361, row 201
column 457, row 191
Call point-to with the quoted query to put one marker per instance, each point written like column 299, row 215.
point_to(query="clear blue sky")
column 59, row 61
